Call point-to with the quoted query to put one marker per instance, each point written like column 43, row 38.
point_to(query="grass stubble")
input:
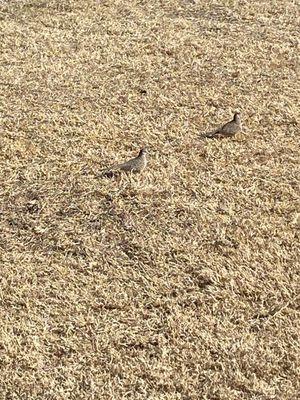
column 178, row 283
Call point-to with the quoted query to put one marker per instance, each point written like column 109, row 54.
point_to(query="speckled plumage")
column 227, row 130
column 135, row 165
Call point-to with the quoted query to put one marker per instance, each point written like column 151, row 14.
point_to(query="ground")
column 180, row 282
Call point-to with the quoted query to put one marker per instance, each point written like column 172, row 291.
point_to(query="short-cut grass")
column 178, row 283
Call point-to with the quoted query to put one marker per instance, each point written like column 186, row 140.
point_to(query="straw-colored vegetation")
column 180, row 282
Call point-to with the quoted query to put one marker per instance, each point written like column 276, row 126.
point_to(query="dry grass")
column 181, row 282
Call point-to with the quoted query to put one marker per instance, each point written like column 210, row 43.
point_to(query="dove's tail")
column 210, row 135
column 109, row 172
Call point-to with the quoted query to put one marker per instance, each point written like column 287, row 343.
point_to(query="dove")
column 135, row 165
column 228, row 130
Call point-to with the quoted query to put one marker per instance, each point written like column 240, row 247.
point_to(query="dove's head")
column 237, row 117
column 143, row 152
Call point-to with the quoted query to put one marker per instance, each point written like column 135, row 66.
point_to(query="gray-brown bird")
column 227, row 130
column 135, row 165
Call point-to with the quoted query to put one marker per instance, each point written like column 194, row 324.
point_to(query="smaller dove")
column 227, row 130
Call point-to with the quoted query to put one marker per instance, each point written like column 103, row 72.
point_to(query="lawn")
column 178, row 283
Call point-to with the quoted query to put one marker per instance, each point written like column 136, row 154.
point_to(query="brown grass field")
column 180, row 282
